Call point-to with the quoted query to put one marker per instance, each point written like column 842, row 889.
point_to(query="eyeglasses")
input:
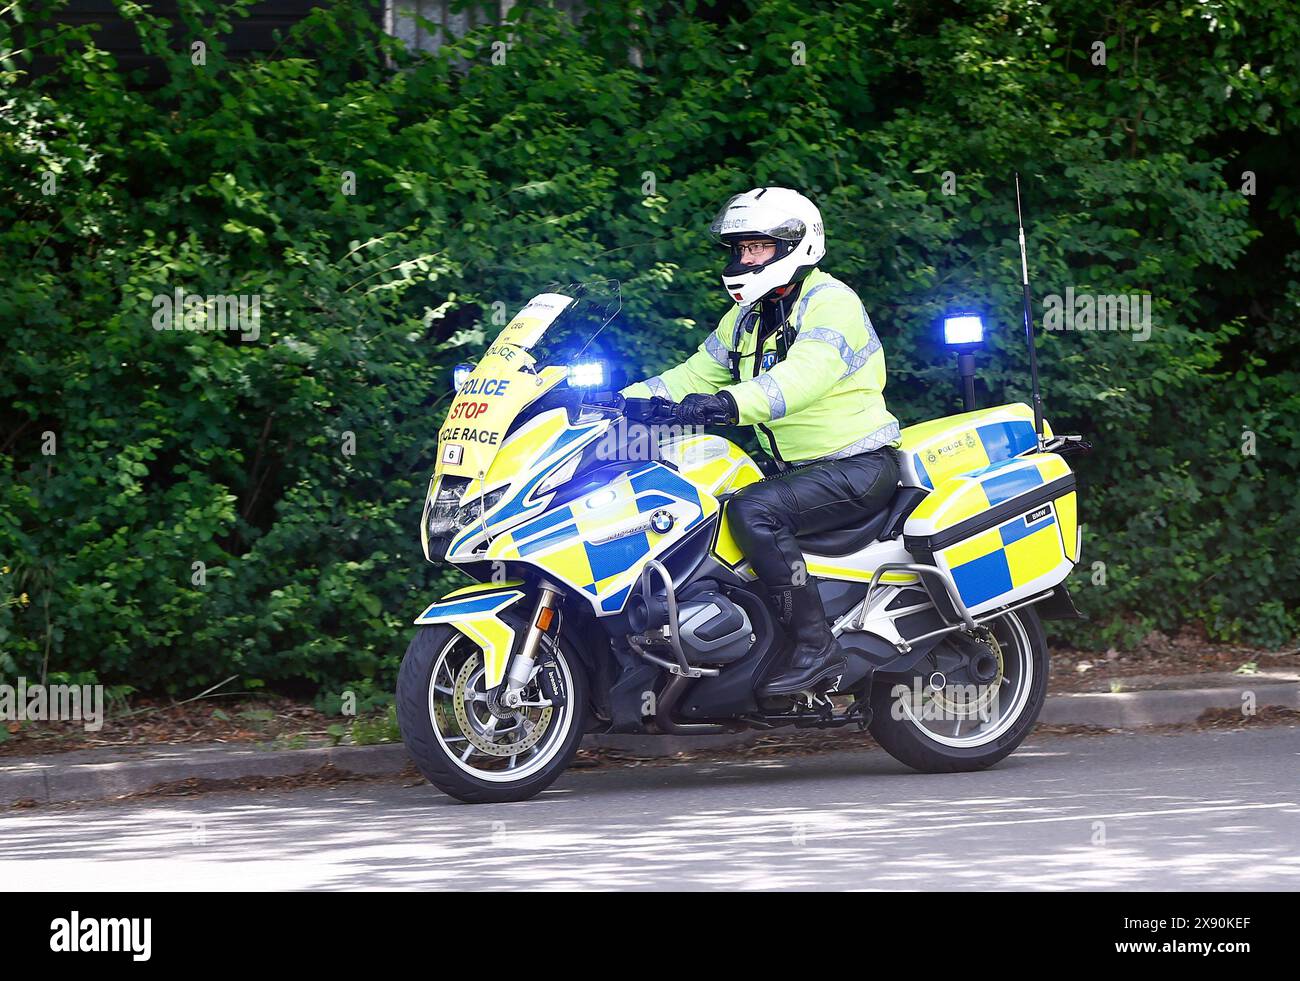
column 753, row 248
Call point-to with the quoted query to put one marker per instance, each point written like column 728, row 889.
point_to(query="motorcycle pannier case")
column 938, row 449
column 1003, row 533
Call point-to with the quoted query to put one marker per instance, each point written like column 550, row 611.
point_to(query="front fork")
column 520, row 670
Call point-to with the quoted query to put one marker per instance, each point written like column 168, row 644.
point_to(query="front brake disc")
column 518, row 740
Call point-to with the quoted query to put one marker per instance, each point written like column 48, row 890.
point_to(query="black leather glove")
column 707, row 410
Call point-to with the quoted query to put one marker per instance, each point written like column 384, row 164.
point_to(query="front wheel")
column 968, row 703
column 465, row 749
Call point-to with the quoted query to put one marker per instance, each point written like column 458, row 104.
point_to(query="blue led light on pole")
column 963, row 331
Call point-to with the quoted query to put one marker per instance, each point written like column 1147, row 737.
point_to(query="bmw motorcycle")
column 610, row 594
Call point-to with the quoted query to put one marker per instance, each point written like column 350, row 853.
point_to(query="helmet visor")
column 744, row 215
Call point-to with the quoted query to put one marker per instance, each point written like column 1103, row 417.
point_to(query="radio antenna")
column 1029, row 319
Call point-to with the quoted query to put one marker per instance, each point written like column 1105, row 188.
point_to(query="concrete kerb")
column 100, row 774
column 1136, row 709
column 103, row 774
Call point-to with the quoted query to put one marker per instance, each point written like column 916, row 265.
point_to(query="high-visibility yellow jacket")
column 825, row 400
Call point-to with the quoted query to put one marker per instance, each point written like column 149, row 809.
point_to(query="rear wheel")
column 464, row 747
column 970, row 702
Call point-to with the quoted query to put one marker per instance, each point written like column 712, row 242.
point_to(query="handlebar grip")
column 649, row 410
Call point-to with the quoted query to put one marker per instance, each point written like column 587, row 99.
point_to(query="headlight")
column 446, row 515
column 442, row 514
column 477, row 507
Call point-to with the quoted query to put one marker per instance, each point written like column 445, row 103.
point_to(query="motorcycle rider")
column 796, row 356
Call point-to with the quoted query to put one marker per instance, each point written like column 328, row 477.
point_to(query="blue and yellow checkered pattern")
column 599, row 542
column 1030, row 549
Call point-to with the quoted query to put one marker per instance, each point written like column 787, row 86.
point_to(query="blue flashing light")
column 963, row 330
column 587, row 374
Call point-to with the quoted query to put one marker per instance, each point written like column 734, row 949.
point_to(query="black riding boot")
column 817, row 657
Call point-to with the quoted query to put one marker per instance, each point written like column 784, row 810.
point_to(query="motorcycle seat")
column 885, row 525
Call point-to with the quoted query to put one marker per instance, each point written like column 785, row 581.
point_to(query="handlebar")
column 647, row 411
column 650, row 410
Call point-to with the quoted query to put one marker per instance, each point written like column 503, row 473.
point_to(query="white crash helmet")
column 777, row 213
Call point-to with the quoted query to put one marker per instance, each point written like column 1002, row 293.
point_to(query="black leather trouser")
column 766, row 516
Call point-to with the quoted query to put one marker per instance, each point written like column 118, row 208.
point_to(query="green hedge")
column 476, row 184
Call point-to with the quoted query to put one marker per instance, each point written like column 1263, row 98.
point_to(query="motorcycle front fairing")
column 506, row 488
column 589, row 531
column 468, row 479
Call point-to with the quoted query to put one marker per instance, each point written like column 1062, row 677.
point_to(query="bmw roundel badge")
column 662, row 521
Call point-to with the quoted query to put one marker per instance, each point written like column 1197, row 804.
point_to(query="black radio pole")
column 1029, row 319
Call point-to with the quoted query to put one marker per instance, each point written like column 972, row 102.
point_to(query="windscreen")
column 565, row 341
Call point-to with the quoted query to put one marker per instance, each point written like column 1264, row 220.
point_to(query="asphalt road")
column 1194, row 811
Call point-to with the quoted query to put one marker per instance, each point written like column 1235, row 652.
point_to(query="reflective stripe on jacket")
column 824, row 401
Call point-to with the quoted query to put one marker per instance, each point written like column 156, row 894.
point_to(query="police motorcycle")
column 611, row 596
